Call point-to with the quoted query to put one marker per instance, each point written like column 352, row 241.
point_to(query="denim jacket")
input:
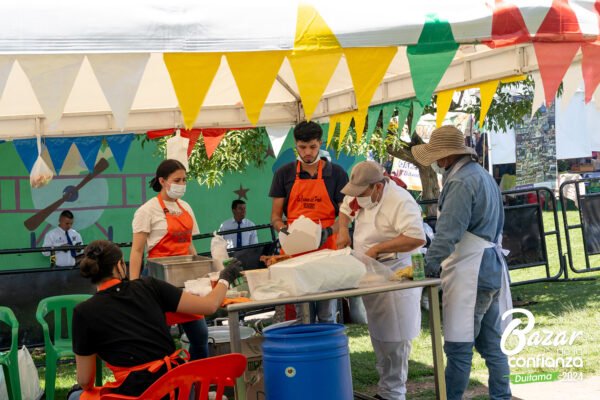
column 470, row 201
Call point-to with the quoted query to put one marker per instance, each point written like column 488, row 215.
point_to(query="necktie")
column 239, row 236
column 73, row 252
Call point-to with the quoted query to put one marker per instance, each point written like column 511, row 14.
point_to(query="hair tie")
column 94, row 252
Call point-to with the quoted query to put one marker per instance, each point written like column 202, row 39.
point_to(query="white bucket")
column 218, row 339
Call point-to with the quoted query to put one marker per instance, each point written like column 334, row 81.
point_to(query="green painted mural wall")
column 109, row 201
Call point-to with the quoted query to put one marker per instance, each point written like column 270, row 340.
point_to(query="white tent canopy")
column 34, row 33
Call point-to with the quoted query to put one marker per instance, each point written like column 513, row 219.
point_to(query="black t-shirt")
column 126, row 326
column 334, row 176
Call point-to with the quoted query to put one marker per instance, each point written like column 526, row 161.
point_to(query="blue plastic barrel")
column 307, row 362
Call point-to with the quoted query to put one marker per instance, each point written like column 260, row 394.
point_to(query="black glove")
column 284, row 230
column 432, row 271
column 325, row 233
column 232, row 271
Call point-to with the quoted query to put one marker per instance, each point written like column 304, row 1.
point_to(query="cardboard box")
column 254, row 376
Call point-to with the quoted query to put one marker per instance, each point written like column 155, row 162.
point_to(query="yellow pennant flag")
column 360, row 119
column 333, row 121
column 444, row 100
column 316, row 55
column 254, row 74
column 345, row 119
column 191, row 75
column 367, row 68
column 486, row 95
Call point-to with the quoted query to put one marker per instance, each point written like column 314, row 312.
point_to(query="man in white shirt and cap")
column 63, row 235
column 388, row 227
column 239, row 221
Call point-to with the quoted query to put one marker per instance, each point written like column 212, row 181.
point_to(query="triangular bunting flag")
column 58, row 148
column 88, row 147
column 367, row 66
column 591, row 68
column 560, row 20
column 487, row 90
column 193, row 135
column 277, row 135
column 212, row 138
column 403, row 108
column 571, row 82
column 333, row 123
column 360, row 118
column 538, row 94
column 316, row 55
column 430, row 57
column 345, row 119
column 254, row 74
column 119, row 76
column 119, row 147
column 417, row 111
column 444, row 100
column 388, row 112
column 191, row 75
column 52, row 78
column 6, row 63
column 508, row 25
column 372, row 117
column 27, row 151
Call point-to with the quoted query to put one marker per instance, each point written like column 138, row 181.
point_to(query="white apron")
column 460, row 273
column 392, row 316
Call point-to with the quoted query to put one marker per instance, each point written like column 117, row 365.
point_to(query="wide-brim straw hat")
column 445, row 141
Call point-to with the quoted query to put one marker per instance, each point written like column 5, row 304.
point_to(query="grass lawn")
column 559, row 306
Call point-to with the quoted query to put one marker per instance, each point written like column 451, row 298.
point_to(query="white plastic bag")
column 177, row 147
column 40, row 174
column 377, row 273
column 28, row 375
column 218, row 251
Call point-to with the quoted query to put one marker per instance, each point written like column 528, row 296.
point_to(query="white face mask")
column 317, row 159
column 366, row 202
column 176, row 191
column 438, row 169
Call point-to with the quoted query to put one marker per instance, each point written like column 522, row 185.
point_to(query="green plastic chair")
column 58, row 346
column 10, row 359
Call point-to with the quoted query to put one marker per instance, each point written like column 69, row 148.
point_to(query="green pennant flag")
column 403, row 107
column 431, row 56
column 325, row 127
column 388, row 111
column 417, row 108
column 372, row 118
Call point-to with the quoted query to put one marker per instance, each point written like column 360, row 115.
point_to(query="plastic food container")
column 178, row 269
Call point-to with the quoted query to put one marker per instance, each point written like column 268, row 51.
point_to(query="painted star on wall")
column 242, row 193
column 270, row 153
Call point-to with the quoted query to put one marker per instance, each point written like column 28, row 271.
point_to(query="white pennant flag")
column 538, row 95
column 6, row 63
column 277, row 135
column 572, row 81
column 119, row 76
column 52, row 78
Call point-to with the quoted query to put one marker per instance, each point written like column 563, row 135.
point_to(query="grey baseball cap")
column 363, row 174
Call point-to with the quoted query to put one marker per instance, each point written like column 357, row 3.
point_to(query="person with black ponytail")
column 124, row 323
column 163, row 226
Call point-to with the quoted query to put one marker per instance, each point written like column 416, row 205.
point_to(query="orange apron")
column 309, row 197
column 176, row 242
column 121, row 373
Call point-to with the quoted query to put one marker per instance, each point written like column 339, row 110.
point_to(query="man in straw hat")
column 387, row 227
column 467, row 253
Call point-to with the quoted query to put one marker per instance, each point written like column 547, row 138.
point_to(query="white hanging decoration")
column 538, row 94
column 177, row 148
column 277, row 135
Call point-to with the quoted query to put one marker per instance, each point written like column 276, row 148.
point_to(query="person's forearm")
column 277, row 223
column 400, row 244
column 343, row 222
column 135, row 264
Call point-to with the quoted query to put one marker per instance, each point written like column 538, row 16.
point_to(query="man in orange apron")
column 310, row 186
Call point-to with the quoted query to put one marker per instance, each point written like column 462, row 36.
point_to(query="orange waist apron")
column 121, row 373
column 309, row 197
column 176, row 242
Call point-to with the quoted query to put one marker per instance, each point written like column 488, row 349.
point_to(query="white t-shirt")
column 150, row 218
column 57, row 237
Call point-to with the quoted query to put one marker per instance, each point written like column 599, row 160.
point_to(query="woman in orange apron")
column 124, row 323
column 165, row 225
column 310, row 195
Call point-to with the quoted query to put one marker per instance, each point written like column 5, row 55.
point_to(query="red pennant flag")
column 159, row 133
column 508, row 26
column 560, row 22
column 212, row 138
column 590, row 65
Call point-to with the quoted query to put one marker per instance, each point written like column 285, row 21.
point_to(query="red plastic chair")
column 221, row 371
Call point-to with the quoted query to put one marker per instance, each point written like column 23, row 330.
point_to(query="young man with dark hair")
column 63, row 235
column 310, row 186
column 239, row 221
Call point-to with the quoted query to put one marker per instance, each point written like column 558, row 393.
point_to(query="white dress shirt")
column 248, row 238
column 57, row 237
